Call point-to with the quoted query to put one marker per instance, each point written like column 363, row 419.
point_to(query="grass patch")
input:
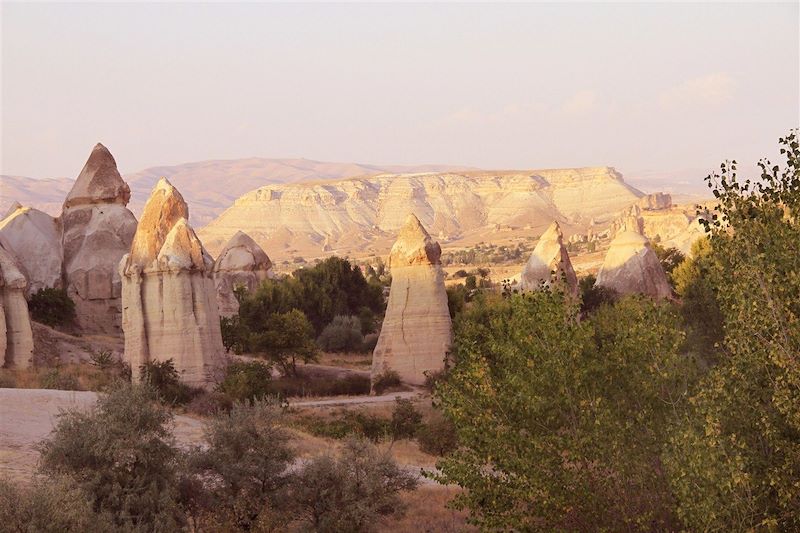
column 77, row 376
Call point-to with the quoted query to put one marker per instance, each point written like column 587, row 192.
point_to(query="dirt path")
column 359, row 400
column 27, row 416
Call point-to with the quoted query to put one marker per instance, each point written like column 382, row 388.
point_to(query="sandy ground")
column 27, row 416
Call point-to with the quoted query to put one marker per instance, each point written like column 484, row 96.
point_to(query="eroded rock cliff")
column 97, row 232
column 34, row 238
column 416, row 332
column 16, row 337
column 549, row 263
column 168, row 295
column 241, row 263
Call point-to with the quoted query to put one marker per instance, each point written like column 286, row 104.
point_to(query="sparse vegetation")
column 52, row 307
column 387, row 381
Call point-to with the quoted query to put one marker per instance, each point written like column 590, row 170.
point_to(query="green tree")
column 246, row 380
column 560, row 422
column 734, row 459
column 49, row 505
column 122, row 455
column 52, row 307
column 244, row 466
column 702, row 317
column 350, row 493
column 286, row 337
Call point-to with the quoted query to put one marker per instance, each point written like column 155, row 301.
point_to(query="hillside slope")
column 361, row 214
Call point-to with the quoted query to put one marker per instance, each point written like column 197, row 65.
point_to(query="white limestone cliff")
column 16, row 336
column 34, row 238
column 549, row 263
column 241, row 262
column 416, row 332
column 169, row 308
column 97, row 232
column 631, row 266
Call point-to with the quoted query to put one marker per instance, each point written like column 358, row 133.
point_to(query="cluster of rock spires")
column 630, row 266
column 16, row 337
column 416, row 332
column 97, row 229
column 549, row 263
column 243, row 263
column 168, row 297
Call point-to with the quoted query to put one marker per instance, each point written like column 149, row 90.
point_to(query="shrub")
column 343, row 334
column 437, row 436
column 386, row 381
column 52, row 307
column 55, row 504
column 246, row 380
column 345, row 424
column 103, row 359
column 370, row 341
column 352, row 491
column 367, row 318
column 234, row 334
column 285, row 337
column 210, row 403
column 164, row 379
column 245, row 462
column 122, row 456
column 352, row 385
column 405, row 419
column 593, row 296
column 54, row 379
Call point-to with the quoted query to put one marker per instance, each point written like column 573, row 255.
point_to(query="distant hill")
column 209, row 187
column 361, row 215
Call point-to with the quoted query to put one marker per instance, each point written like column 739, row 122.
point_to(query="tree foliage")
column 349, row 493
column 735, row 455
column 559, row 421
column 52, row 307
column 123, row 457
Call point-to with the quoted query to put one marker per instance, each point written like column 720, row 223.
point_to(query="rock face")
column 655, row 201
column 549, row 263
column 631, row 266
column 416, row 332
column 356, row 213
column 97, row 232
column 16, row 337
column 169, row 308
column 241, row 262
column 34, row 238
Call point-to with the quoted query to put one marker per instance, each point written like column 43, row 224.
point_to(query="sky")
column 662, row 91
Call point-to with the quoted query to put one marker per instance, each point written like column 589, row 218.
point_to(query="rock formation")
column 169, row 308
column 34, row 238
column 416, row 335
column 16, row 337
column 631, row 266
column 97, row 232
column 241, row 263
column 352, row 214
column 655, row 201
column 549, row 263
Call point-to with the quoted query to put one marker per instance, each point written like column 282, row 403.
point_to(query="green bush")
column 353, row 491
column 246, row 380
column 300, row 386
column 437, row 436
column 406, row 420
column 593, row 296
column 343, row 334
column 163, row 377
column 284, row 338
column 386, row 381
column 54, row 379
column 122, row 456
column 234, row 334
column 52, row 505
column 52, row 307
column 347, row 423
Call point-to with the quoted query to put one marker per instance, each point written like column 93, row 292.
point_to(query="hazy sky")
column 658, row 89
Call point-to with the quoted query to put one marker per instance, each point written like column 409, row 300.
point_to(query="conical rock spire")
column 99, row 182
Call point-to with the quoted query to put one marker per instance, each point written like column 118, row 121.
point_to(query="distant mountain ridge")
column 361, row 214
column 209, row 187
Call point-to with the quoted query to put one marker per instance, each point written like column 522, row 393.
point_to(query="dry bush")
column 426, row 512
column 80, row 376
